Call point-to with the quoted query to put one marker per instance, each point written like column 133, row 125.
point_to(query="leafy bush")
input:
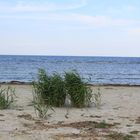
column 78, row 90
column 6, row 97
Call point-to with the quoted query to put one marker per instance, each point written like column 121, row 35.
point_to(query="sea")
column 94, row 70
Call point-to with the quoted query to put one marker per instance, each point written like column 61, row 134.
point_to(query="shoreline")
column 30, row 83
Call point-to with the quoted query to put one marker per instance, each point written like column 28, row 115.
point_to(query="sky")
column 70, row 27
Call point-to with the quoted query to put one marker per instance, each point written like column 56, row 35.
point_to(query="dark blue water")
column 100, row 70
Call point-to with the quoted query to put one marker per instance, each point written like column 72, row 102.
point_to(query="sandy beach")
column 120, row 109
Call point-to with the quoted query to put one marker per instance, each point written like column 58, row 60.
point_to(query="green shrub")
column 41, row 86
column 50, row 88
column 57, row 90
column 78, row 90
column 41, row 108
column 6, row 97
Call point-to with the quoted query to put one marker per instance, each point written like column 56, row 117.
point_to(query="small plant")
column 102, row 124
column 78, row 90
column 6, row 97
column 119, row 136
column 41, row 108
column 127, row 137
column 134, row 132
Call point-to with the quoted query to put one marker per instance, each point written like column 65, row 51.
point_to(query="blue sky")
column 70, row 27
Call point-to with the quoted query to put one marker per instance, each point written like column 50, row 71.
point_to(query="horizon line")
column 43, row 55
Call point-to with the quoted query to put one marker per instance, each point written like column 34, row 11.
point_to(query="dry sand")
column 120, row 109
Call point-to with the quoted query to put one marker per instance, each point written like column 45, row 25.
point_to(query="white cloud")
column 106, row 21
column 39, row 6
column 86, row 20
column 11, row 12
column 121, row 10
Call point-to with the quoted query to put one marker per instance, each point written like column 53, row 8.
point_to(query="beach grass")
column 78, row 90
column 102, row 124
column 7, row 96
column 50, row 88
column 53, row 89
column 120, row 136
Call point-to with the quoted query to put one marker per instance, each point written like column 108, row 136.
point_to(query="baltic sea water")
column 95, row 70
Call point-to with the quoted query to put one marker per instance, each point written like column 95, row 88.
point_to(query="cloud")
column 39, row 6
column 103, row 21
column 86, row 20
column 42, row 10
column 134, row 31
column 121, row 9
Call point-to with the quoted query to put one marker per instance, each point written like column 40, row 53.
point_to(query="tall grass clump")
column 41, row 85
column 41, row 100
column 57, row 90
column 78, row 90
column 40, row 105
column 6, row 97
column 51, row 89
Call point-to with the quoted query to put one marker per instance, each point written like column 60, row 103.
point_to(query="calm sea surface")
column 98, row 70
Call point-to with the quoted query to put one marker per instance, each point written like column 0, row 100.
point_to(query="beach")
column 119, row 109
